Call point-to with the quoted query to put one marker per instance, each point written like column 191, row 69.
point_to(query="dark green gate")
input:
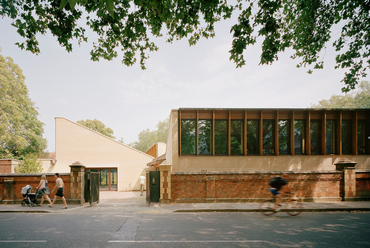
column 152, row 186
column 92, row 183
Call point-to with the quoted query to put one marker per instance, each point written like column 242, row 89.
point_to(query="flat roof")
column 276, row 109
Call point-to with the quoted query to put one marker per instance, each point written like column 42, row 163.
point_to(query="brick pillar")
column 8, row 190
column 77, row 182
column 165, row 185
column 7, row 165
column 211, row 189
column 349, row 184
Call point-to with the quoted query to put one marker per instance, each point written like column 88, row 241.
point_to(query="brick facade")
column 363, row 185
column 18, row 181
column 245, row 186
column 6, row 165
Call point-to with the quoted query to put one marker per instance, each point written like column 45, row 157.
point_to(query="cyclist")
column 277, row 184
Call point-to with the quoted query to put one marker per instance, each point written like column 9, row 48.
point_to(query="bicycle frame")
column 293, row 207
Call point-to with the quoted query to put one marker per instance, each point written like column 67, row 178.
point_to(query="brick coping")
column 259, row 172
column 31, row 174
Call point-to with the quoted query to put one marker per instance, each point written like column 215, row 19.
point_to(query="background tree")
column 357, row 99
column 20, row 130
column 97, row 126
column 147, row 138
column 29, row 164
column 130, row 26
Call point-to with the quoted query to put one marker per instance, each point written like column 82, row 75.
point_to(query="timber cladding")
column 246, row 186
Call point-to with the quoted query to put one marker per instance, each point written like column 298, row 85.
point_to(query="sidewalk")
column 132, row 202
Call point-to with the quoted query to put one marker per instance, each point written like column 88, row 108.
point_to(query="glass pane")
column 104, row 179
column 268, row 136
column 113, row 179
column 315, row 136
column 221, row 137
column 252, row 137
column 188, row 136
column 330, row 137
column 204, row 136
column 284, row 136
column 299, row 136
column 361, row 137
column 236, row 139
column 346, row 137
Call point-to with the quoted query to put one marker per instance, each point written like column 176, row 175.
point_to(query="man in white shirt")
column 142, row 183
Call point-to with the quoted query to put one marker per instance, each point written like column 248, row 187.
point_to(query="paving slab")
column 133, row 202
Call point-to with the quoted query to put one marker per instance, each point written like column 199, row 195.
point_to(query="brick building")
column 230, row 154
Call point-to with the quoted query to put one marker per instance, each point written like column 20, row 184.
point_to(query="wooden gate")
column 92, row 183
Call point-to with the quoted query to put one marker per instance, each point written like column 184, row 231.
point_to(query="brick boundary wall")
column 253, row 187
column 18, row 181
column 363, row 184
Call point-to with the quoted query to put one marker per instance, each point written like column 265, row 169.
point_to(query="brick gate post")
column 348, row 179
column 165, row 182
column 349, row 184
column 77, row 182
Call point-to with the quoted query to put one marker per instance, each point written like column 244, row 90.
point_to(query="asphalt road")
column 116, row 229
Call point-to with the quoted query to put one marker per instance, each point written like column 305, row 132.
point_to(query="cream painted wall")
column 47, row 165
column 161, row 148
column 74, row 142
column 172, row 140
column 264, row 163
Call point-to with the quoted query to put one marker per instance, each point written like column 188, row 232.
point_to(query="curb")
column 257, row 210
column 41, row 211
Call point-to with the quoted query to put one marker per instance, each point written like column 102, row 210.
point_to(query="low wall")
column 363, row 185
column 11, row 185
column 253, row 186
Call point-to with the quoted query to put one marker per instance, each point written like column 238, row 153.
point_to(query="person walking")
column 43, row 190
column 142, row 183
column 60, row 185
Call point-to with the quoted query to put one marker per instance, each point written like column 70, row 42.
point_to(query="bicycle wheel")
column 294, row 208
column 267, row 207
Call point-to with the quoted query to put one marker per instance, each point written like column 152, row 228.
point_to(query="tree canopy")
column 97, row 126
column 29, row 164
column 130, row 26
column 147, row 137
column 20, row 130
column 356, row 99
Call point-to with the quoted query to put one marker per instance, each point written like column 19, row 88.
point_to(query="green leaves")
column 20, row 130
column 127, row 28
column 149, row 137
column 97, row 126
column 356, row 99
column 29, row 164
column 107, row 4
column 305, row 26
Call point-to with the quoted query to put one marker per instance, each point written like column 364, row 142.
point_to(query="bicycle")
column 293, row 207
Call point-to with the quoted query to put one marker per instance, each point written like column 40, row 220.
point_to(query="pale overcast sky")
column 129, row 100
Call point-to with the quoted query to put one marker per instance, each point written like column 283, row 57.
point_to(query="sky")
column 129, row 100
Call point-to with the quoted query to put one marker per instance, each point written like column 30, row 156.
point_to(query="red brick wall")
column 21, row 180
column 200, row 187
column 363, row 184
column 5, row 166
